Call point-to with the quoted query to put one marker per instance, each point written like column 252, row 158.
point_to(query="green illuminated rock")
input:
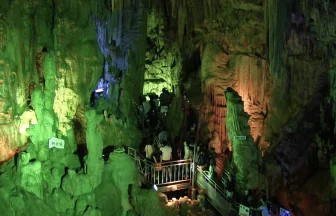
column 80, row 184
column 246, row 156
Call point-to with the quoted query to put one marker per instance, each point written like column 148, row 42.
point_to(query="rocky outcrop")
column 246, row 156
column 235, row 60
column 86, row 182
column 243, row 74
column 163, row 58
column 52, row 57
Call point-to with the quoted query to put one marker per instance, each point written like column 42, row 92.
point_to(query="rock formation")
column 74, row 71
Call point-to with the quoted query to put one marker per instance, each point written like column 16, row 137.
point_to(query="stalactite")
column 277, row 16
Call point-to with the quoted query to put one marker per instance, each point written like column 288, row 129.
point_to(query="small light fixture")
column 99, row 90
column 155, row 187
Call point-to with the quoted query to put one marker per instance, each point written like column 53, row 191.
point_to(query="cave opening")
column 107, row 151
column 81, row 152
column 190, row 66
column 100, row 92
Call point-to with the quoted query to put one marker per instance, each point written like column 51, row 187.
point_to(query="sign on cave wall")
column 240, row 137
column 284, row 212
column 56, row 143
column 243, row 210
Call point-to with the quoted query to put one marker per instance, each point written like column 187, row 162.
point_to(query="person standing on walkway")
column 149, row 152
column 212, row 163
column 166, row 157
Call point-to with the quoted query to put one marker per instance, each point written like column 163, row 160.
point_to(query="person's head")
column 248, row 192
column 185, row 143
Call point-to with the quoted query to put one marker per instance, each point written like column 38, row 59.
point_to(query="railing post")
column 193, row 192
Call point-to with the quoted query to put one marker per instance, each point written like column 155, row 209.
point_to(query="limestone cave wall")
column 278, row 57
column 54, row 55
column 264, row 70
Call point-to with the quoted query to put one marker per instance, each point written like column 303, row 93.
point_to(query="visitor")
column 231, row 185
column 186, row 151
column 163, row 136
column 187, row 156
column 149, row 152
column 156, row 100
column 193, row 129
column 201, row 159
column 248, row 198
column 166, row 152
column 164, row 101
column 166, row 157
column 152, row 114
column 263, row 207
column 146, row 105
column 157, row 155
column 212, row 162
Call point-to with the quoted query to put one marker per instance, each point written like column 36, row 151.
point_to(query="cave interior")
column 254, row 80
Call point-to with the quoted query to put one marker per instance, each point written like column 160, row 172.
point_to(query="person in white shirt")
column 187, row 156
column 149, row 151
column 166, row 157
column 166, row 152
column 146, row 105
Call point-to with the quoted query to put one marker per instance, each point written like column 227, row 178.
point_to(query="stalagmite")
column 245, row 153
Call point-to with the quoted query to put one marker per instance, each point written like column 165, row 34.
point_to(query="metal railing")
column 217, row 195
column 221, row 198
column 138, row 158
column 172, row 172
column 180, row 171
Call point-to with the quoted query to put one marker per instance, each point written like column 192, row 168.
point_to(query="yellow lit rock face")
column 65, row 106
column 27, row 118
column 10, row 139
column 163, row 65
column 20, row 97
column 248, row 76
column 152, row 87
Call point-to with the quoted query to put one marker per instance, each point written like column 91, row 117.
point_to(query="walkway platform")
column 215, row 195
column 177, row 175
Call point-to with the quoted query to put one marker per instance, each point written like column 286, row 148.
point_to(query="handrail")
column 222, row 191
column 215, row 185
column 177, row 162
column 170, row 172
column 175, row 172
